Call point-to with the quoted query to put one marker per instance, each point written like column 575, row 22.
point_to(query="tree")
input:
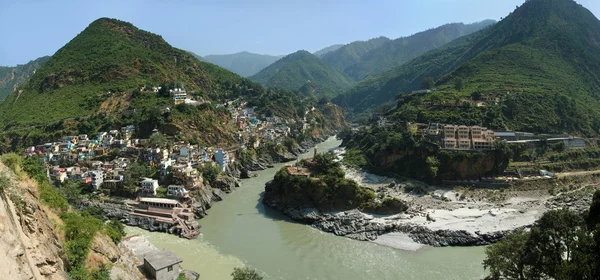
column 459, row 84
column 12, row 161
column 505, row 259
column 433, row 166
column 437, row 98
column 245, row 274
column 211, row 171
column 72, row 191
column 559, row 246
column 427, row 83
column 384, row 108
column 158, row 140
column 593, row 215
column 133, row 175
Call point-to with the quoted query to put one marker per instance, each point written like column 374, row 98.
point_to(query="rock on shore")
column 364, row 227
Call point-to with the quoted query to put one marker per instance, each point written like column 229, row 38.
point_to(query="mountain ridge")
column 401, row 50
column 537, row 59
column 301, row 68
column 351, row 53
column 13, row 77
column 327, row 50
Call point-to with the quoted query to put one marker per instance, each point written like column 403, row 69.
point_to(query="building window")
column 170, row 268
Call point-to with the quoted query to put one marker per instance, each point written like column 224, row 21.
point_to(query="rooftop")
column 158, row 200
column 161, row 259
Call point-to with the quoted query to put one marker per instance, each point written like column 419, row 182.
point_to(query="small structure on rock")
column 162, row 265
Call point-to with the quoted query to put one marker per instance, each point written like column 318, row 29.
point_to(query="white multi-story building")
column 176, row 190
column 149, row 186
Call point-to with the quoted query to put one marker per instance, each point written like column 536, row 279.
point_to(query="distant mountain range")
column 244, row 64
column 13, row 77
column 351, row 54
column 540, row 62
column 304, row 70
column 362, row 59
column 340, row 66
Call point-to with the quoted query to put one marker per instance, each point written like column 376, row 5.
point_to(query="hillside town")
column 100, row 162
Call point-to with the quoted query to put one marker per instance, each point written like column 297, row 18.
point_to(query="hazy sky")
column 34, row 28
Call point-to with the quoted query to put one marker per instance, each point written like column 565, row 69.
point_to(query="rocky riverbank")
column 204, row 196
column 439, row 217
column 364, row 227
column 266, row 160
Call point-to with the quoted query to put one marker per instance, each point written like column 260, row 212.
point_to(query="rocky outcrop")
column 443, row 238
column 204, row 197
column 225, row 183
column 147, row 223
column 31, row 248
column 359, row 226
column 113, row 208
column 105, row 253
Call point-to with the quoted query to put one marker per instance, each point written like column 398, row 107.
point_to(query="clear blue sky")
column 34, row 28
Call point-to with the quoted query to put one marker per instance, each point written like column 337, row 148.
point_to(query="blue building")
column 222, row 158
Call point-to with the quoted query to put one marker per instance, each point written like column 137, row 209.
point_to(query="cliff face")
column 451, row 165
column 122, row 262
column 32, row 240
column 204, row 198
column 31, row 248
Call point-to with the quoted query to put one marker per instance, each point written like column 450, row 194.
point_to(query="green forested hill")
column 244, row 64
column 13, row 77
column 93, row 84
column 110, row 57
column 304, row 70
column 399, row 51
column 539, row 61
column 352, row 53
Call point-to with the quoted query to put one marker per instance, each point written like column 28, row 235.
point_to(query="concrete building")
column 463, row 132
column 176, row 190
column 149, row 186
column 450, row 143
column 466, row 138
column 162, row 265
column 464, row 143
column 222, row 158
column 476, row 132
column 179, row 95
column 482, row 144
column 450, row 131
column 434, row 129
column 97, row 179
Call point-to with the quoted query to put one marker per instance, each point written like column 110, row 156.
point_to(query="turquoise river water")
column 241, row 231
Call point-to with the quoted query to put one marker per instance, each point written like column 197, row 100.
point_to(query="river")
column 241, row 231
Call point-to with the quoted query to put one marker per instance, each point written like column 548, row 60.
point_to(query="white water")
column 241, row 231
